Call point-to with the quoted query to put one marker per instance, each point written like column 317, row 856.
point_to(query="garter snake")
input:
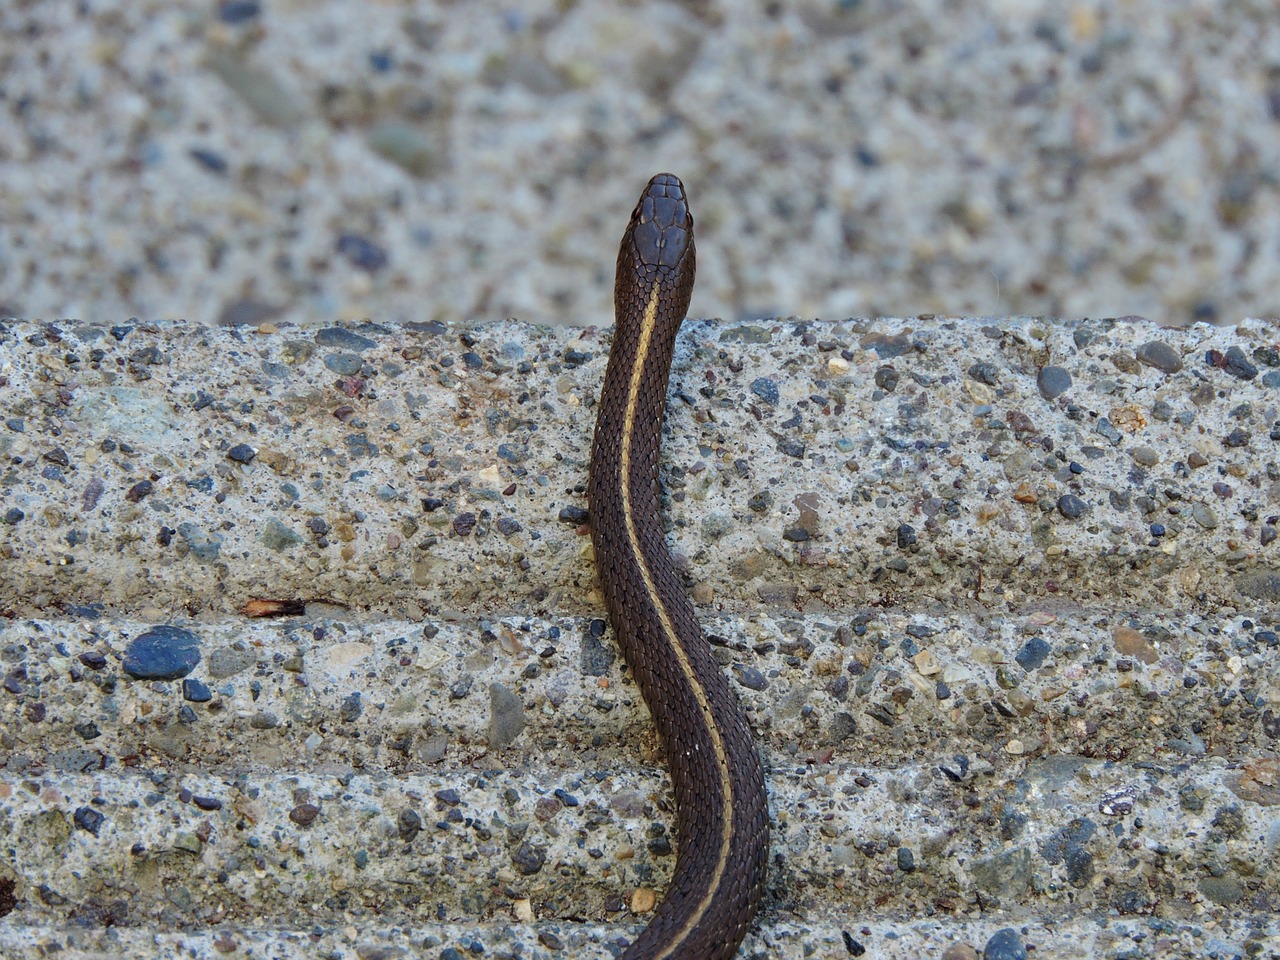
column 722, row 812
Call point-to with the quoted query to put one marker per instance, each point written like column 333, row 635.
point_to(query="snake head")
column 660, row 234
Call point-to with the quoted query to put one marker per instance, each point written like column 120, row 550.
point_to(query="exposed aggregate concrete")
column 982, row 705
column 900, row 456
column 242, row 160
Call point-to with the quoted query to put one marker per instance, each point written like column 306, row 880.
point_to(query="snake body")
column 722, row 811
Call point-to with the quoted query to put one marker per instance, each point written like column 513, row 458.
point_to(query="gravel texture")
column 302, row 656
column 239, row 161
column 415, row 455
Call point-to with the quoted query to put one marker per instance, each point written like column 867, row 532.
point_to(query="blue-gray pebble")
column 1033, row 654
column 162, row 653
column 1005, row 945
column 1071, row 507
column 343, row 364
column 1158, row 354
column 1238, row 364
column 338, row 337
column 202, row 544
column 361, row 252
column 766, row 390
column 1052, row 382
column 195, row 691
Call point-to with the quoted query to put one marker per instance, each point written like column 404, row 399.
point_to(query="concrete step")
column 981, row 705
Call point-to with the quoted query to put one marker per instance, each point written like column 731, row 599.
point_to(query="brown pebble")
column 1129, row 418
column 1025, row 494
column 261, row 607
column 304, row 814
column 546, row 808
column 1131, row 643
column 1257, row 782
column 1125, row 361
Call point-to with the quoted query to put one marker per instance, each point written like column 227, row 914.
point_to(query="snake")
column 721, row 807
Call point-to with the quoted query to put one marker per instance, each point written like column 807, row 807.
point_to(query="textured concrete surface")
column 1000, row 600
column 435, row 160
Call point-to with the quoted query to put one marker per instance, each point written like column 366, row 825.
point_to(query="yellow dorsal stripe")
column 648, row 322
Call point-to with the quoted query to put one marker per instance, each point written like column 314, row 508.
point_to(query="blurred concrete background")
column 246, row 160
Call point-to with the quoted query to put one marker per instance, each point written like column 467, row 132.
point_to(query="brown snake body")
column 721, row 807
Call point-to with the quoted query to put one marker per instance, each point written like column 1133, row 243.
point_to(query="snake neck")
column 628, row 433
